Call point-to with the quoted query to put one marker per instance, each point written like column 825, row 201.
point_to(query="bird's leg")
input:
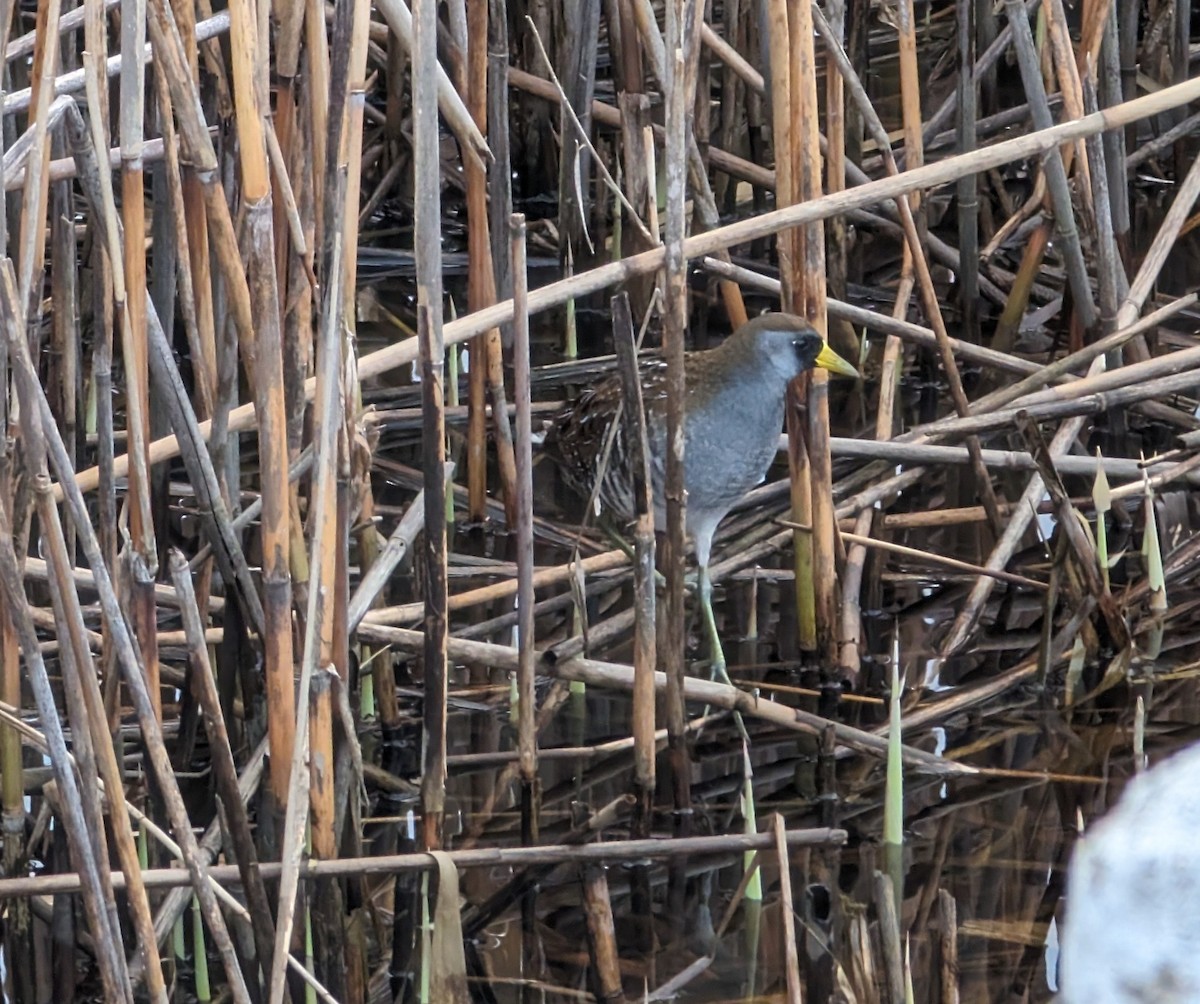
column 716, row 653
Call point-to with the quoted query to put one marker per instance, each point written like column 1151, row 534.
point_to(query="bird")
column 734, row 398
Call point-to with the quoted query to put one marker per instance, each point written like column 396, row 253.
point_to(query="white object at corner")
column 1132, row 929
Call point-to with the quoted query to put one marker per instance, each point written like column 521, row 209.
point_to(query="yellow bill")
column 830, row 360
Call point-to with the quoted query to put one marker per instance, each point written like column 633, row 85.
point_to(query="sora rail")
column 733, row 413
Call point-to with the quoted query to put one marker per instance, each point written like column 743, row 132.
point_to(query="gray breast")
column 729, row 445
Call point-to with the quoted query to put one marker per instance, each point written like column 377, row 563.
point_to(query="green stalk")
column 571, row 345
column 426, row 939
column 1139, row 735
column 754, row 891
column 1152, row 551
column 753, row 914
column 179, row 939
column 1102, row 498
column 310, row 995
column 893, row 800
column 366, row 693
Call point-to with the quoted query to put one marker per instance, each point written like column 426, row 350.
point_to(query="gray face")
column 791, row 351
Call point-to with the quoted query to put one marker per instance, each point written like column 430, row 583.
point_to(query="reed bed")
column 297, row 630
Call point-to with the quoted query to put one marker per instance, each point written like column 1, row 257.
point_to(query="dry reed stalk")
column 36, row 403
column 214, row 515
column 185, row 292
column 633, row 107
column 702, row 196
column 89, row 724
column 1009, row 322
column 645, row 653
column 195, row 224
column 791, row 954
column 376, row 577
column 180, row 899
column 348, row 145
column 915, row 257
column 526, row 672
column 602, row 935
column 808, row 300
column 81, row 689
column 947, row 929
column 316, row 56
column 95, row 753
column 889, row 382
column 778, row 56
column 895, row 452
column 1070, row 88
column 968, row 186
column 144, row 551
column 939, row 559
column 313, row 750
column 836, row 248
column 644, row 660
column 605, row 114
column 477, row 433
column 476, row 383
column 203, row 686
column 1067, row 405
column 427, row 244
column 620, row 677
column 1138, row 291
column 110, row 958
column 484, row 594
column 786, row 92
column 727, row 844
column 32, row 236
column 486, row 355
column 743, row 231
column 674, row 285
column 272, row 417
column 888, row 912
column 458, row 118
column 1055, row 171
column 594, row 752
column 18, row 934
column 96, row 40
column 1078, row 541
column 325, row 906
column 1110, row 273
column 65, row 335
column 88, row 851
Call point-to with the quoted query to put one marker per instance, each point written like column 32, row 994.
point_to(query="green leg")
column 716, row 653
column 720, row 669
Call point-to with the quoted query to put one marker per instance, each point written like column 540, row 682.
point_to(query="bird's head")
column 791, row 346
